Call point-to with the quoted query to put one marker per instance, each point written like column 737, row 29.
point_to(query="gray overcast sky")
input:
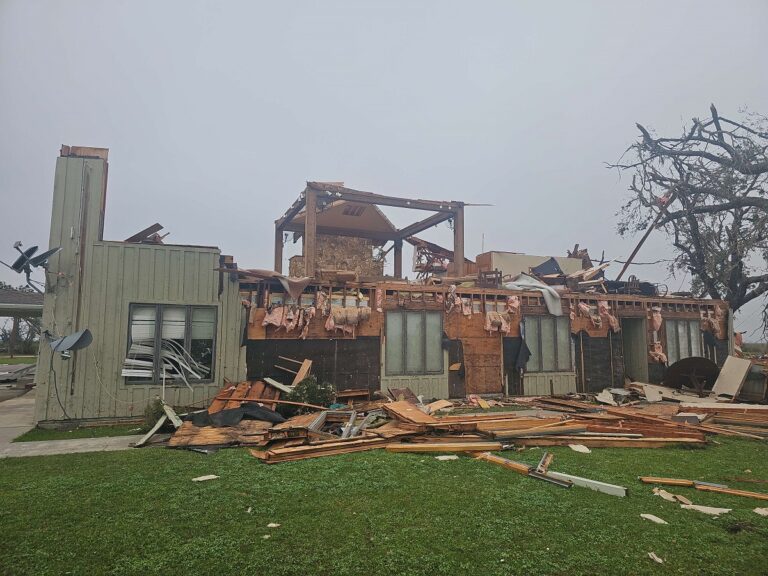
column 216, row 114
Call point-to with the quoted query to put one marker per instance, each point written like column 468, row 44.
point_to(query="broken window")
column 182, row 349
column 549, row 341
column 414, row 343
column 683, row 339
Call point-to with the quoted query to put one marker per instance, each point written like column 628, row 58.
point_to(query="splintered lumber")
column 243, row 433
column 144, row 439
column 533, row 432
column 438, row 405
column 523, row 469
column 445, row 447
column 516, row 424
column 724, row 408
column 606, row 441
column 291, row 454
column 603, row 487
column 731, row 491
column 404, row 410
column 666, row 481
column 518, row 467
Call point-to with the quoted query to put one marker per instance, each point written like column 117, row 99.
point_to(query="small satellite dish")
column 41, row 260
column 24, row 263
column 21, row 262
column 66, row 344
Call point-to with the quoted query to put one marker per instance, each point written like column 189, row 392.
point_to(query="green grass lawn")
column 37, row 434
column 374, row 513
column 18, row 360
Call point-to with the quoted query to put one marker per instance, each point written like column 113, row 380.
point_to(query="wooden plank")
column 221, row 399
column 408, row 412
column 666, row 481
column 731, row 491
column 445, row 447
column 732, row 376
column 303, row 371
column 152, row 431
column 518, row 467
column 239, row 394
column 605, row 442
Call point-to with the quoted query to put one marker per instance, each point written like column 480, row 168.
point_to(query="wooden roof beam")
column 329, row 231
column 295, row 208
column 341, row 193
column 417, row 227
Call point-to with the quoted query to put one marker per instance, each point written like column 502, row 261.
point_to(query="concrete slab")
column 17, row 415
column 51, row 447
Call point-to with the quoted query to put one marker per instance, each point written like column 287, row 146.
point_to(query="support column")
column 398, row 258
column 14, row 336
column 278, row 249
column 458, row 241
column 310, row 233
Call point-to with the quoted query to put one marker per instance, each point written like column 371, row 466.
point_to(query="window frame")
column 673, row 329
column 188, row 310
column 404, row 348
column 539, row 319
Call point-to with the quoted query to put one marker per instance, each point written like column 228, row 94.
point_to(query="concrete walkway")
column 17, row 415
column 50, row 447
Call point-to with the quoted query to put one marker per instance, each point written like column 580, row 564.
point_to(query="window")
column 414, row 343
column 549, row 340
column 683, row 339
column 170, row 343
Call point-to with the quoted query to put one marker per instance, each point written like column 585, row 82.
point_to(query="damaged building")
column 505, row 323
column 178, row 322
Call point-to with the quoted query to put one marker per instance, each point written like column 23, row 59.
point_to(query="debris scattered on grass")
column 682, row 499
column 761, row 511
column 273, row 525
column 249, row 510
column 580, row 448
column 668, row 496
column 204, row 478
column 266, row 536
column 653, row 518
column 652, row 556
column 712, row 511
column 444, row 457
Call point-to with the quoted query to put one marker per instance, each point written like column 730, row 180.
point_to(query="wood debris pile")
column 401, row 423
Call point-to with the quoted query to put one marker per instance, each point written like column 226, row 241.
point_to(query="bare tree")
column 708, row 190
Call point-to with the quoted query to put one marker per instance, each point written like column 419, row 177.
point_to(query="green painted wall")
column 91, row 284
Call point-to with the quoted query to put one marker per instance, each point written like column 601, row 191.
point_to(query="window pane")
column 394, row 343
column 682, row 335
column 143, row 324
column 414, row 339
column 694, row 328
column 532, row 340
column 174, row 322
column 673, row 348
column 140, row 361
column 434, row 342
column 548, row 344
column 563, row 344
column 201, row 339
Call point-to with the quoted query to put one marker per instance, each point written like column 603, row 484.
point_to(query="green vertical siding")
column 114, row 275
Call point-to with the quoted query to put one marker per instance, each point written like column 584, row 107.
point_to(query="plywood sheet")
column 731, row 379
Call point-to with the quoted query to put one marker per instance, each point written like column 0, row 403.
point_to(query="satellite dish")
column 21, row 262
column 66, row 344
column 24, row 263
column 41, row 260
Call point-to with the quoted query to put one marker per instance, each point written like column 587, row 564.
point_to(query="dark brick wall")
column 599, row 371
column 344, row 363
